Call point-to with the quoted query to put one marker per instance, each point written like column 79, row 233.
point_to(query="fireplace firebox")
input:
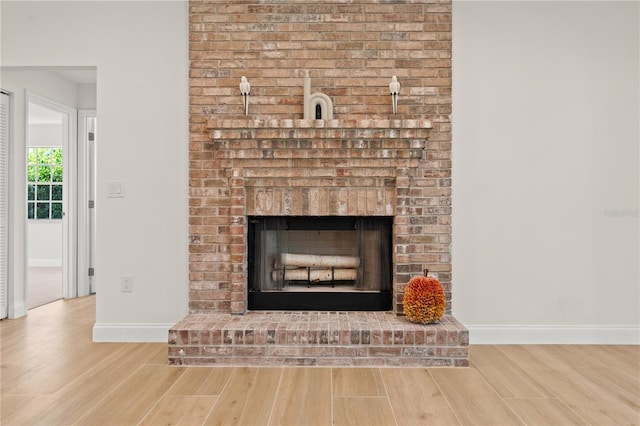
column 325, row 263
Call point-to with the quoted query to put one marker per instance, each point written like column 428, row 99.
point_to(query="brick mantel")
column 397, row 139
column 318, row 154
column 274, row 123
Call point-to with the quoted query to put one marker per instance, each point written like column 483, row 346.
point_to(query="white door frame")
column 70, row 190
column 86, row 196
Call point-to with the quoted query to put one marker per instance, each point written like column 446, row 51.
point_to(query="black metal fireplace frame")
column 316, row 300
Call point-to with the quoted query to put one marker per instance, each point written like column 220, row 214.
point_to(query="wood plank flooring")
column 52, row 374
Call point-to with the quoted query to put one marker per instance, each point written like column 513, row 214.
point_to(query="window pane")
column 56, row 174
column 31, row 173
column 56, row 210
column 43, row 192
column 31, row 208
column 56, row 156
column 56, row 192
column 32, row 156
column 44, row 174
column 31, row 192
column 44, row 155
column 42, row 211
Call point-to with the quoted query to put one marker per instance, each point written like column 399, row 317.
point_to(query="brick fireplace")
column 272, row 162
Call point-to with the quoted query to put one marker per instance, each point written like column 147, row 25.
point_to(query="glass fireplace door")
column 319, row 263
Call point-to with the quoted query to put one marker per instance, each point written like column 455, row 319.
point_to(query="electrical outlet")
column 126, row 284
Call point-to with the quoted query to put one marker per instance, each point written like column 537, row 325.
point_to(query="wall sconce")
column 394, row 89
column 245, row 88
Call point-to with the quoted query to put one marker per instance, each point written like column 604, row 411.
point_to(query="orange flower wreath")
column 424, row 300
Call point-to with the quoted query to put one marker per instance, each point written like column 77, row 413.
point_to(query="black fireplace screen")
column 320, row 263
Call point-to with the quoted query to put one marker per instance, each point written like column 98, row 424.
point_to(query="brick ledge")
column 260, row 123
column 316, row 339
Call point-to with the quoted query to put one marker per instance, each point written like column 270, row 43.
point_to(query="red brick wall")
column 351, row 50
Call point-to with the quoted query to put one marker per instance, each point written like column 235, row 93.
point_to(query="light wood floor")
column 51, row 373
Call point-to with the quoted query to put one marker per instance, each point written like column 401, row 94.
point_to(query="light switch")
column 116, row 189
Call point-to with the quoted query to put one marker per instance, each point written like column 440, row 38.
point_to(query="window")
column 44, row 180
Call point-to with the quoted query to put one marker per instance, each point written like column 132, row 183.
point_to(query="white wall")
column 86, row 98
column 142, row 105
column 545, row 154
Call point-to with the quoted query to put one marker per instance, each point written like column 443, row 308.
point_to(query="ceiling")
column 78, row 75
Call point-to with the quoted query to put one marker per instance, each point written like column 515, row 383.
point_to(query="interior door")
column 87, row 133
column 92, row 136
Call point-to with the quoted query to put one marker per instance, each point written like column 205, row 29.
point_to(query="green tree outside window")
column 44, row 183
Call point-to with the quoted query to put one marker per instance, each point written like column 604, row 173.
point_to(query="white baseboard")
column 45, row 263
column 108, row 332
column 17, row 310
column 554, row 334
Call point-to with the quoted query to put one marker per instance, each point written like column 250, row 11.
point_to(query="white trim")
column 554, row 334
column 123, row 332
column 17, row 309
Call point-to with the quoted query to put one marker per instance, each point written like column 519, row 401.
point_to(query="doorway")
column 67, row 91
column 51, row 180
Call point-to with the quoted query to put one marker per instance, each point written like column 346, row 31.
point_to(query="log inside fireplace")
column 319, row 263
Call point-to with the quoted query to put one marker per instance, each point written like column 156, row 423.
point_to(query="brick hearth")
column 317, row 339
